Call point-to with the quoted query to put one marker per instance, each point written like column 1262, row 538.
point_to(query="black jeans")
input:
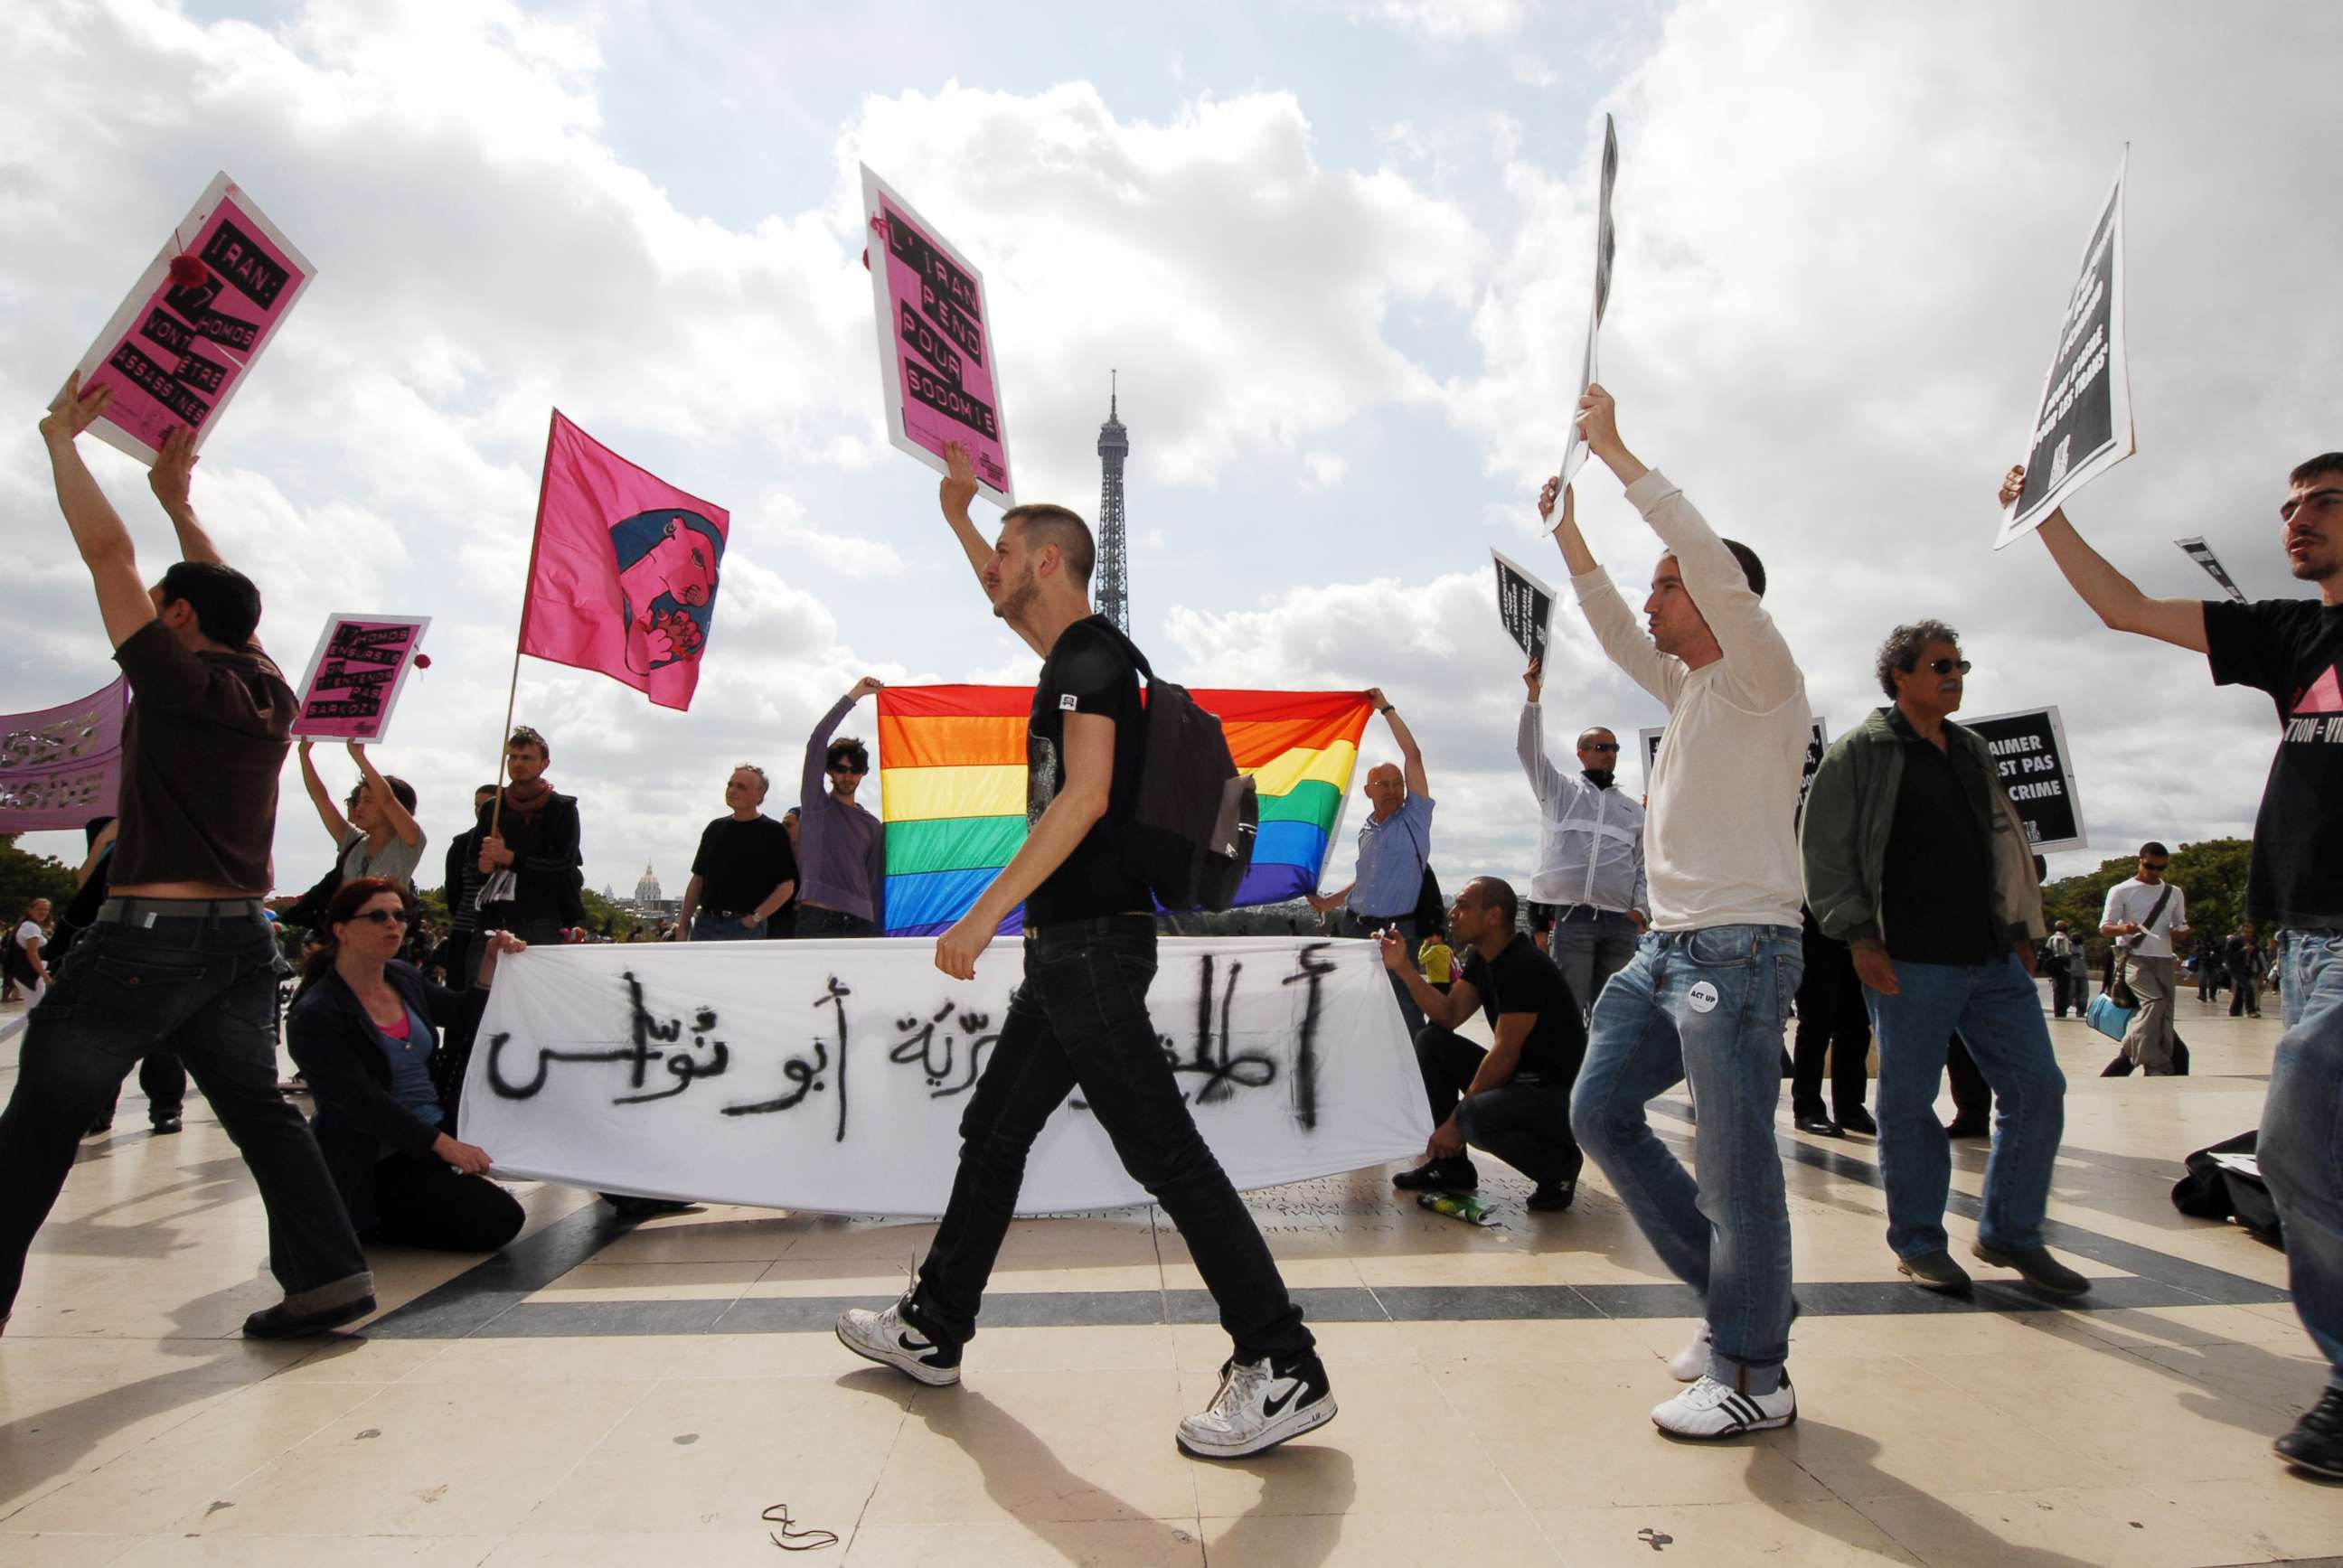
column 820, row 923
column 1079, row 1021
column 1972, row 1095
column 205, row 987
column 163, row 1081
column 1833, row 1023
column 429, row 1203
column 1525, row 1122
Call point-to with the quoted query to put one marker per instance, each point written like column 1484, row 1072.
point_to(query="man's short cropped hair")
column 525, row 736
column 226, row 602
column 2324, row 466
column 1752, row 570
column 1497, row 894
column 850, row 749
column 1048, row 525
column 1901, row 652
column 2153, row 848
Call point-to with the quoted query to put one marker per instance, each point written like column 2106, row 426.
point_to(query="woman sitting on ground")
column 362, row 1028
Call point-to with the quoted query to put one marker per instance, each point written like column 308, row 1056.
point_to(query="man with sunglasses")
column 2291, row 649
column 2147, row 915
column 1914, row 857
column 1586, row 897
column 841, row 847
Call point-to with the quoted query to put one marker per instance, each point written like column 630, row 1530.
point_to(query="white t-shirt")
column 30, row 931
column 2131, row 901
column 1720, row 831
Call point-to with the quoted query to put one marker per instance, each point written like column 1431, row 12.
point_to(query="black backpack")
column 1194, row 817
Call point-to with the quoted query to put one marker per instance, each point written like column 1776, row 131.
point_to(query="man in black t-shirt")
column 745, row 871
column 1080, row 1017
column 2292, row 649
column 1515, row 1095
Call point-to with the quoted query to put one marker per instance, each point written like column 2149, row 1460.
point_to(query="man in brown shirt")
column 181, row 954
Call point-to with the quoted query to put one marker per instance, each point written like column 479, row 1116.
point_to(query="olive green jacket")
column 1851, row 807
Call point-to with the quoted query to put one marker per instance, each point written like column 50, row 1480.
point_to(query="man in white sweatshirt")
column 1705, row 997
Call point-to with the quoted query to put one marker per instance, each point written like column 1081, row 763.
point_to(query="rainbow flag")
column 952, row 781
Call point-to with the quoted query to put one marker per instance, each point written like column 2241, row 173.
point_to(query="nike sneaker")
column 1260, row 1405
column 892, row 1340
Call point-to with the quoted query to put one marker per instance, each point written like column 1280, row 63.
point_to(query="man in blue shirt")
column 1395, row 847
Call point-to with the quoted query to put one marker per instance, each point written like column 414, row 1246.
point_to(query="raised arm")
column 957, row 490
column 402, row 820
column 1529, row 741
column 817, row 751
column 1411, row 755
column 96, row 528
column 1566, row 537
column 337, row 827
column 2114, row 597
column 172, row 478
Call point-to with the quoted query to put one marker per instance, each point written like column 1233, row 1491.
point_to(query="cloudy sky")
column 1339, row 251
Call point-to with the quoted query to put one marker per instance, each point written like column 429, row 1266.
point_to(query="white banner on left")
column 832, row 1075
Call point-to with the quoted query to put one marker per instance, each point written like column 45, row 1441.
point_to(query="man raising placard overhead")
column 2291, row 649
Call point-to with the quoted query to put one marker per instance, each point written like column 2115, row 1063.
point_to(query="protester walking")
column 2146, row 916
column 2241, row 955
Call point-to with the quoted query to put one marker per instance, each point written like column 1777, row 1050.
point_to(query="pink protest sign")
column 194, row 322
column 937, row 372
column 354, row 677
column 59, row 766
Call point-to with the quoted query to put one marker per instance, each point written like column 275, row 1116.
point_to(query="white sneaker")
column 1260, row 1405
column 886, row 1338
column 1711, row 1409
column 1688, row 1364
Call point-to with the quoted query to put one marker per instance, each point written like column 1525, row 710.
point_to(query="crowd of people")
column 1893, row 900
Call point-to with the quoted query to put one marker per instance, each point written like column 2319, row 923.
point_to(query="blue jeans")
column 1706, row 1006
column 204, row 987
column 1589, row 952
column 1999, row 1015
column 2301, row 1144
column 713, row 928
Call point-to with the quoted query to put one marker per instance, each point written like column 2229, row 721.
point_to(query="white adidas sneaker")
column 1688, row 1364
column 886, row 1338
column 1709, row 1409
column 1260, row 1405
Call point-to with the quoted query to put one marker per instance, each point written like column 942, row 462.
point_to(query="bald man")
column 1395, row 847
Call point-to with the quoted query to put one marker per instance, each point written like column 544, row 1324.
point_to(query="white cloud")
column 1444, row 19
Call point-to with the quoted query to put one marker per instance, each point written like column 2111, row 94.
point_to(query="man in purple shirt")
column 841, row 847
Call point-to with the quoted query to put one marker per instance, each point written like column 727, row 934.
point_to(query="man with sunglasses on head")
column 841, row 847
column 181, row 955
column 1586, row 897
column 2146, row 916
column 2291, row 649
column 1915, row 857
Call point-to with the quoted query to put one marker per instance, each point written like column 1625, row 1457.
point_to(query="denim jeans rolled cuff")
column 820, row 922
column 710, row 927
column 1704, row 1007
column 1999, row 1014
column 2301, row 1144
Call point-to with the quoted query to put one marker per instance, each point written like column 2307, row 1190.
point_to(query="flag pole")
column 512, row 691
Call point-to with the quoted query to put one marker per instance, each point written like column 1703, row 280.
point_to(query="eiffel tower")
column 1113, row 573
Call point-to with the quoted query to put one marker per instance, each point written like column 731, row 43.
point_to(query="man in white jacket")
column 1587, row 900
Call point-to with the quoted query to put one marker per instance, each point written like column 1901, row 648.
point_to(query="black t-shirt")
column 1522, row 979
column 1087, row 672
column 2293, row 649
column 201, row 749
column 1935, row 893
column 741, row 863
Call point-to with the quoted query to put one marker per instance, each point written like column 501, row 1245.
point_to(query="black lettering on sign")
column 335, row 675
column 204, row 375
column 913, row 249
column 196, row 303
column 1309, row 970
column 961, row 328
column 234, row 254
column 920, row 337
column 953, row 402
column 806, row 1071
column 228, row 331
column 374, row 636
column 363, row 708
column 169, row 330
column 155, row 382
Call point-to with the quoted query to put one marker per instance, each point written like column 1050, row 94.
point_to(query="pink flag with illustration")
column 355, row 675
column 61, row 766
column 622, row 579
column 938, row 373
column 194, row 321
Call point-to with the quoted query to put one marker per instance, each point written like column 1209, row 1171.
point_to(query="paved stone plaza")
column 605, row 1395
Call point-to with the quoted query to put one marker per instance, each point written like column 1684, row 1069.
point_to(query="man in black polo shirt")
column 745, row 871
column 1515, row 1096
column 181, row 954
column 1079, row 1020
column 1914, row 857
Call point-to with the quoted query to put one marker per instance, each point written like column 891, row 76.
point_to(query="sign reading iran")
column 937, row 372
column 355, row 675
column 2081, row 426
column 194, row 322
column 832, row 1075
column 1524, row 605
column 61, row 766
column 2029, row 752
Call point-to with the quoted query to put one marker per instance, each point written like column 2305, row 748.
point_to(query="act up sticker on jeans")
column 1703, row 996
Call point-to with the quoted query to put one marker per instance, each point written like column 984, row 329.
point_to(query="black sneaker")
column 1260, row 1405
column 1858, row 1120
column 892, row 1340
column 168, row 1123
column 1440, row 1176
column 1820, row 1126
column 1552, row 1197
column 2315, row 1443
